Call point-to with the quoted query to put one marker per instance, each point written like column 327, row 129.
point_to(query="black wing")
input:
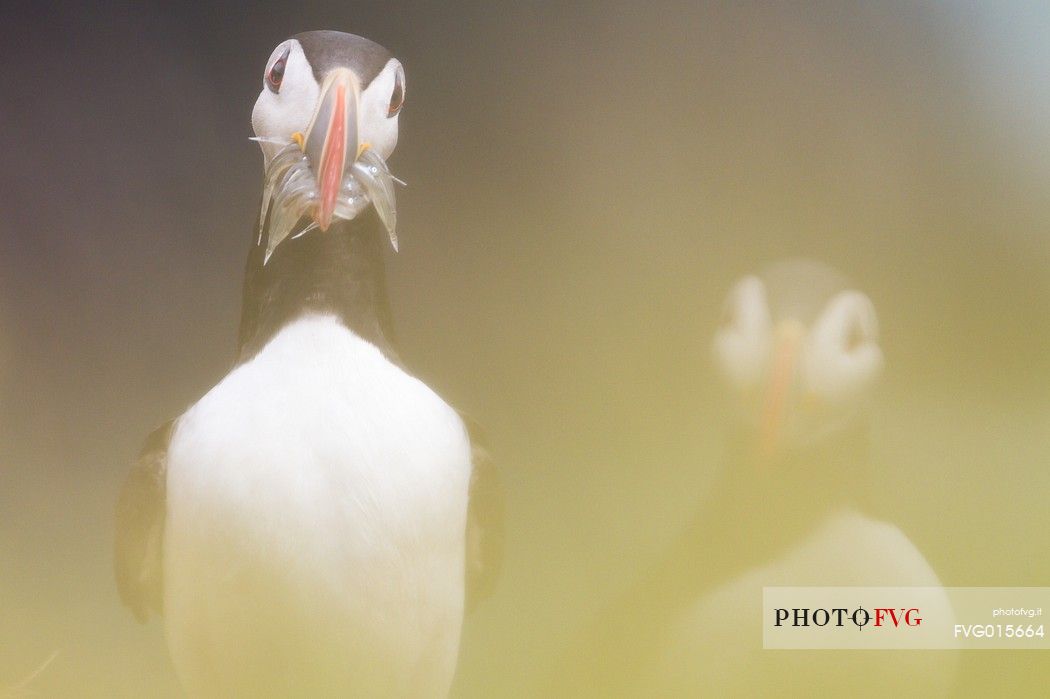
column 484, row 520
column 140, row 527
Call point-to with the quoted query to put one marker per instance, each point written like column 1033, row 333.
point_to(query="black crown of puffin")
column 326, row 120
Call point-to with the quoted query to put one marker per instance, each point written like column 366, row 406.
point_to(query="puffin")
column 798, row 357
column 318, row 523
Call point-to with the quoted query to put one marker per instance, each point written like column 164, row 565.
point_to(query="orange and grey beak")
column 787, row 343
column 332, row 142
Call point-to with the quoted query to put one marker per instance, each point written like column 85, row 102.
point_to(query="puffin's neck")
column 756, row 512
column 339, row 272
column 828, row 472
column 764, row 506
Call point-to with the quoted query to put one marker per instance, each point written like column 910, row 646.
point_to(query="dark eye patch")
column 276, row 73
column 397, row 98
column 855, row 336
column 728, row 317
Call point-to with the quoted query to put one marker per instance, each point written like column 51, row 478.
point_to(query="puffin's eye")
column 397, row 99
column 276, row 74
column 728, row 318
column 855, row 336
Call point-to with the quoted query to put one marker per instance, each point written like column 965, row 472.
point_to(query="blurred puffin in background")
column 798, row 353
column 316, row 523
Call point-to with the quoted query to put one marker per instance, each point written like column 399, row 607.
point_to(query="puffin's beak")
column 787, row 341
column 331, row 142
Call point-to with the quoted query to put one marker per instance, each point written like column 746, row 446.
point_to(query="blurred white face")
column 290, row 97
column 794, row 382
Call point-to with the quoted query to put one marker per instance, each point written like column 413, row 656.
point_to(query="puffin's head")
column 326, row 120
column 799, row 350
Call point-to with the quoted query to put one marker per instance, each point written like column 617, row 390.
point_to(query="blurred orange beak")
column 787, row 341
column 332, row 140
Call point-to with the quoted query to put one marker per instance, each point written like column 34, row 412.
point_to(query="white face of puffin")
column 287, row 105
column 797, row 372
column 325, row 144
